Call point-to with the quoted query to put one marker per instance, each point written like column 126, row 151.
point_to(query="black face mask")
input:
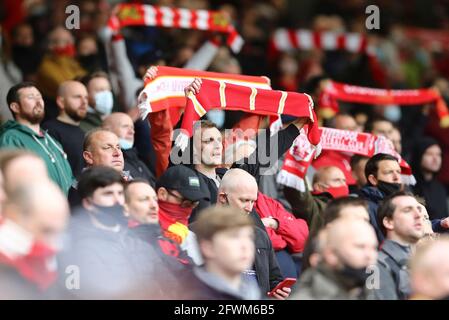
column 110, row 216
column 91, row 62
column 388, row 188
column 355, row 277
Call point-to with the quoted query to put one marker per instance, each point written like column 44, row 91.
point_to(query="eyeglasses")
column 185, row 203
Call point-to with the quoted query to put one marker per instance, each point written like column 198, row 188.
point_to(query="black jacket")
column 373, row 196
column 136, row 168
column 71, row 138
column 113, row 264
column 265, row 264
column 261, row 159
column 432, row 190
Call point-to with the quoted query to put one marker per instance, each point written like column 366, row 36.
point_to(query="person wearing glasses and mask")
column 178, row 192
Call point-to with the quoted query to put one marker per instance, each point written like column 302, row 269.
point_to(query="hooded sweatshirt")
column 432, row 190
column 16, row 135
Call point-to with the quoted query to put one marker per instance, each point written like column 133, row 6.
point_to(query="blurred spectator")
column 101, row 100
column 402, row 223
column 24, row 132
column 380, row 127
column 328, row 183
column 346, row 207
column 429, row 270
column 59, row 63
column 426, row 164
column 396, row 138
column 25, row 53
column 226, row 240
column 358, row 164
column 72, row 104
column 122, row 125
column 112, row 264
column 34, row 218
column 88, row 54
column 350, row 248
column 9, row 76
column 383, row 175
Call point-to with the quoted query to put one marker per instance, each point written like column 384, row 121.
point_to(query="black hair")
column 13, row 93
column 97, row 177
column 372, row 166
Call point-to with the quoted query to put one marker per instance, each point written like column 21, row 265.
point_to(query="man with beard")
column 24, row 132
column 72, row 103
column 383, row 173
column 402, row 222
column 349, row 248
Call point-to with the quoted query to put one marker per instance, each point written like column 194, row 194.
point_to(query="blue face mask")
column 104, row 101
column 125, row 144
column 392, row 113
column 217, row 117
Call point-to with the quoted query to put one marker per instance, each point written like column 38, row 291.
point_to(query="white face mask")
column 104, row 101
column 392, row 113
column 125, row 144
column 217, row 117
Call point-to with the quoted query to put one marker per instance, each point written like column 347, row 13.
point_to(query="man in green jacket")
column 24, row 132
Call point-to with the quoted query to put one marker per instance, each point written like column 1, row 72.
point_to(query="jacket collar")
column 398, row 252
column 247, row 291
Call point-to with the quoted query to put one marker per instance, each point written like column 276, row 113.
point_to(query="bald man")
column 328, row 183
column 350, row 248
column 429, row 270
column 72, row 104
column 238, row 189
column 34, row 218
column 122, row 125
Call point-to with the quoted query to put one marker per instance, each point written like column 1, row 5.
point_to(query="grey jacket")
column 393, row 272
column 321, row 283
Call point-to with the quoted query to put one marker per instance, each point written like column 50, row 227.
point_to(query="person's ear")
column 372, row 180
column 318, row 187
column 87, row 204
column 162, row 194
column 15, row 108
column 330, row 258
column 388, row 224
column 207, row 249
column 87, row 155
column 222, row 198
column 60, row 102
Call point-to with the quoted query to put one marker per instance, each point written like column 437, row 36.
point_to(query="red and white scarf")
column 301, row 39
column 167, row 89
column 301, row 153
column 33, row 260
column 160, row 16
column 227, row 96
column 335, row 91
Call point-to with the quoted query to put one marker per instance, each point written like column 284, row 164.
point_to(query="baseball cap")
column 185, row 181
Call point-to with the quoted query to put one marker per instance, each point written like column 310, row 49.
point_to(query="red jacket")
column 292, row 233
